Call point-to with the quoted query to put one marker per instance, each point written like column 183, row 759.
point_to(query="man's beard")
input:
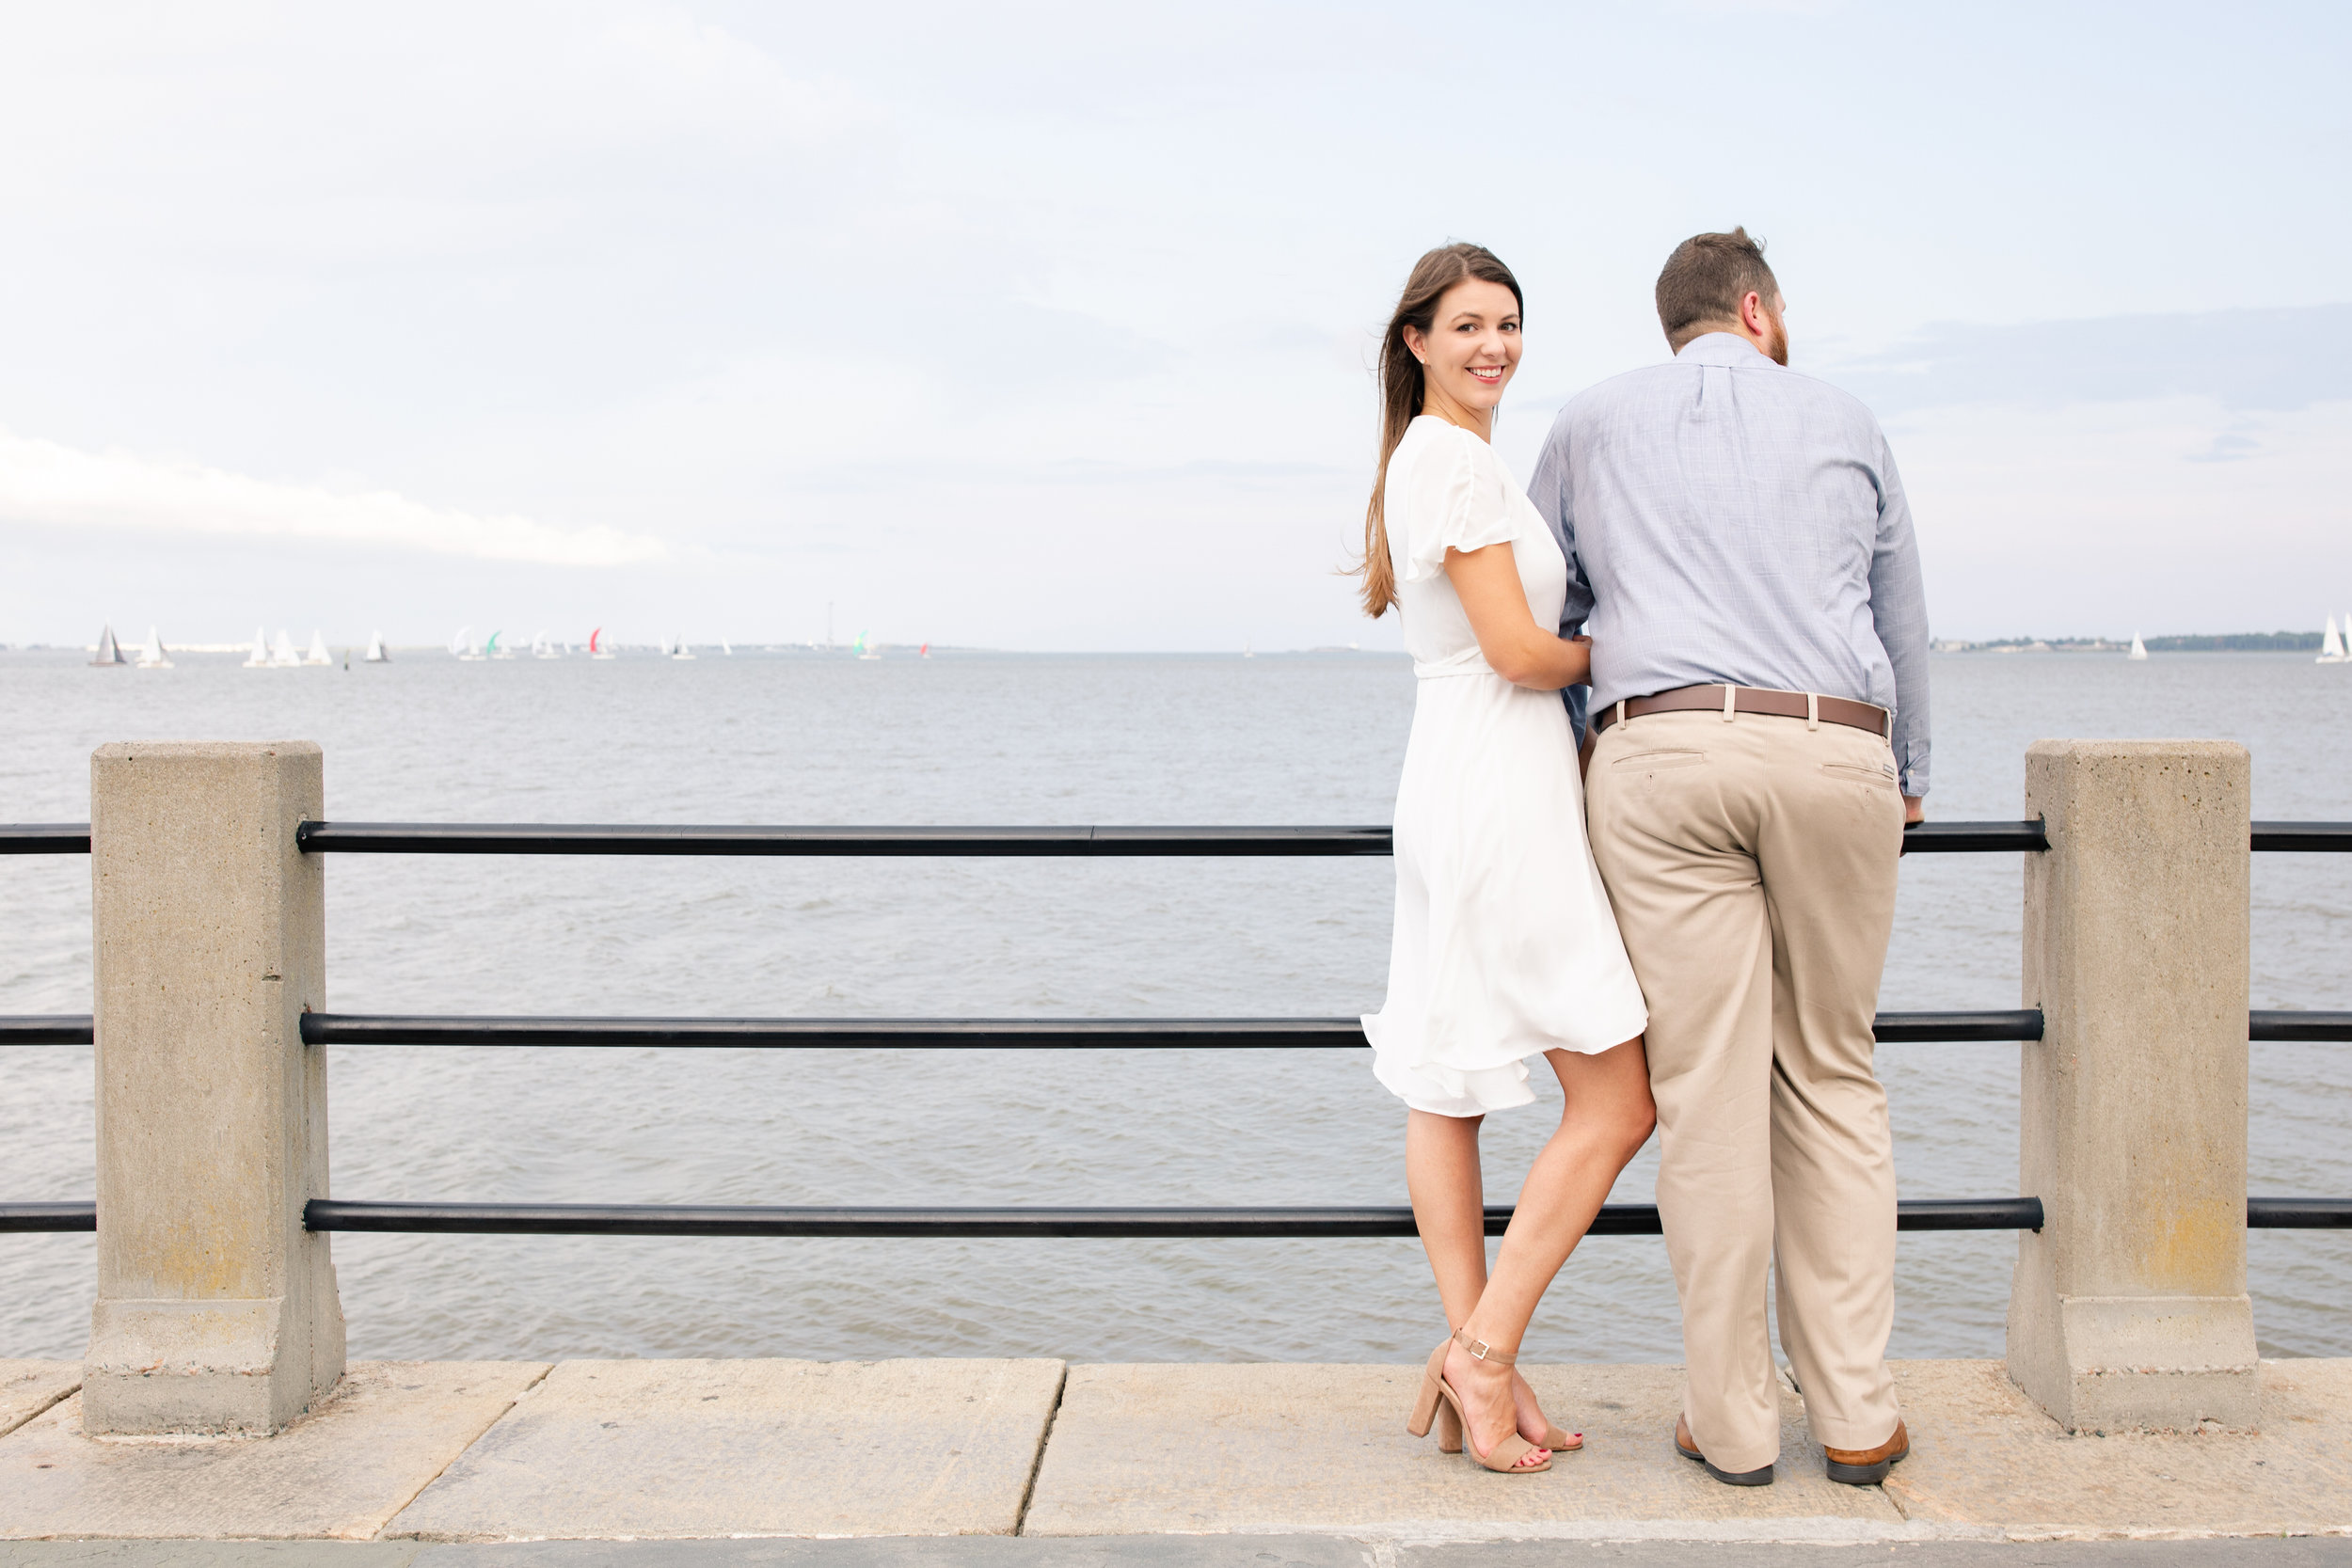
column 1777, row 344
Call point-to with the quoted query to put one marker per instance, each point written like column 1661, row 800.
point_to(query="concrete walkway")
column 1175, row 1551
column 1179, row 1463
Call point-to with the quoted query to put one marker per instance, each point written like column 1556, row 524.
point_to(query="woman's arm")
column 1487, row 581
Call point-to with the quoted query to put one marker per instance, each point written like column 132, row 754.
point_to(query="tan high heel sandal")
column 1554, row 1439
column 1437, row 1402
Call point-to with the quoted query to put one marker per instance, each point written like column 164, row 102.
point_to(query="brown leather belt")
column 1749, row 699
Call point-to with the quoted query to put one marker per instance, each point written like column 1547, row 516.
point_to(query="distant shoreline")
column 2226, row 643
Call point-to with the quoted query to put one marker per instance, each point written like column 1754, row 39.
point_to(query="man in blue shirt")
column 1740, row 552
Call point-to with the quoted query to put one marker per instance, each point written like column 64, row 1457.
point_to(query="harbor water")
column 799, row 737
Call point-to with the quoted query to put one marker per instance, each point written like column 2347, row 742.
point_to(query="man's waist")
column 1812, row 707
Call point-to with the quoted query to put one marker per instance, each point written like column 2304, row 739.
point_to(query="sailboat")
column 318, row 654
column 2331, row 645
column 464, row 647
column 152, row 657
column 542, row 648
column 726, row 647
column 865, row 649
column 258, row 658
column 2139, row 649
column 493, row 651
column 375, row 649
column 596, row 646
column 109, row 650
column 281, row 652
column 679, row 650
column 924, row 651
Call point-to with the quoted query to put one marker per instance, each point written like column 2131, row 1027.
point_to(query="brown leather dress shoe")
column 1689, row 1451
column 1869, row 1467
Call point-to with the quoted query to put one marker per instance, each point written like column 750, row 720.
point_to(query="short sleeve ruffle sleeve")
column 1453, row 497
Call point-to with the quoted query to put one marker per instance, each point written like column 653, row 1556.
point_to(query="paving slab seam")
column 57, row 1399
column 520, row 1394
column 1037, row 1460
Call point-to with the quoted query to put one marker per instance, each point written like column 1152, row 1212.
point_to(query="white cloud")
column 43, row 482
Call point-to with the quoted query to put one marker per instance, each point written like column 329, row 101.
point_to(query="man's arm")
column 1549, row 491
column 1898, row 609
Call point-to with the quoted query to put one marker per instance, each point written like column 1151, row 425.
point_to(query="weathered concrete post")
column 2129, row 1308
column 216, row 1311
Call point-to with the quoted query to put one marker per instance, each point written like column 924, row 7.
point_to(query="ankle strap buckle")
column 1479, row 1349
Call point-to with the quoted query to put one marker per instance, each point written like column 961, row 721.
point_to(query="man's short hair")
column 1705, row 280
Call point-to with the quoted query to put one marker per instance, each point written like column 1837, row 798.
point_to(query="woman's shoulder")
column 1440, row 444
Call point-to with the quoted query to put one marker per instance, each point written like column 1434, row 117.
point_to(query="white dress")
column 1506, row 947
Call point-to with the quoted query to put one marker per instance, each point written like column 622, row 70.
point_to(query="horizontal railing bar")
column 1950, row 838
column 557, row 838
column 44, row 838
column 816, row 1034
column 2291, row 1024
column 1914, row 1028
column 983, row 1034
column 46, row 1029
column 553, row 838
column 536, row 838
column 2298, row 1214
column 652, row 1219
column 2021, row 1214
column 2323, row 837
column 2018, row 1024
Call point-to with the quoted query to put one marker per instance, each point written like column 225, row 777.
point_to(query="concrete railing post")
column 216, row 1311
column 2129, row 1307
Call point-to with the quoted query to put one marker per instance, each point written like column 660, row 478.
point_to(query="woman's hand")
column 1488, row 582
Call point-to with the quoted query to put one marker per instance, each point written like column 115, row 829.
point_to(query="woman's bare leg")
column 1605, row 1117
column 1448, row 1205
column 1441, row 1171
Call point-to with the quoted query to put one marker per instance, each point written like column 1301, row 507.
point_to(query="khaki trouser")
column 1752, row 864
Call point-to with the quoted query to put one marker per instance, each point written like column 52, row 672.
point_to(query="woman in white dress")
column 1506, row 948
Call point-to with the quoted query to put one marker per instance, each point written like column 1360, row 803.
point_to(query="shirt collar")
column 1721, row 348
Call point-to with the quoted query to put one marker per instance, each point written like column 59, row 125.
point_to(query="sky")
column 1049, row 326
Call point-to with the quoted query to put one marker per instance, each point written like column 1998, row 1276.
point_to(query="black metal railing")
column 1994, row 1025
column 957, row 1034
column 652, row 1219
column 1001, row 1033
column 540, row 838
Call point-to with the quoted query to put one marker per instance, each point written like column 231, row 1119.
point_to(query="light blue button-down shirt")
column 1726, row 518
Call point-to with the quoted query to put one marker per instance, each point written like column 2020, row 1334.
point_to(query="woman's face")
column 1472, row 346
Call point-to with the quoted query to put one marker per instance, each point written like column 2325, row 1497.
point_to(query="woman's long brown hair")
column 1402, row 389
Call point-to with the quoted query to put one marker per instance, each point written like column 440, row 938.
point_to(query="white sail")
column 375, row 649
column 109, row 650
column 259, row 658
column 317, row 653
column 153, row 656
column 281, row 651
column 2330, row 645
column 726, row 647
column 680, row 650
column 542, row 646
column 2139, row 649
column 465, row 646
